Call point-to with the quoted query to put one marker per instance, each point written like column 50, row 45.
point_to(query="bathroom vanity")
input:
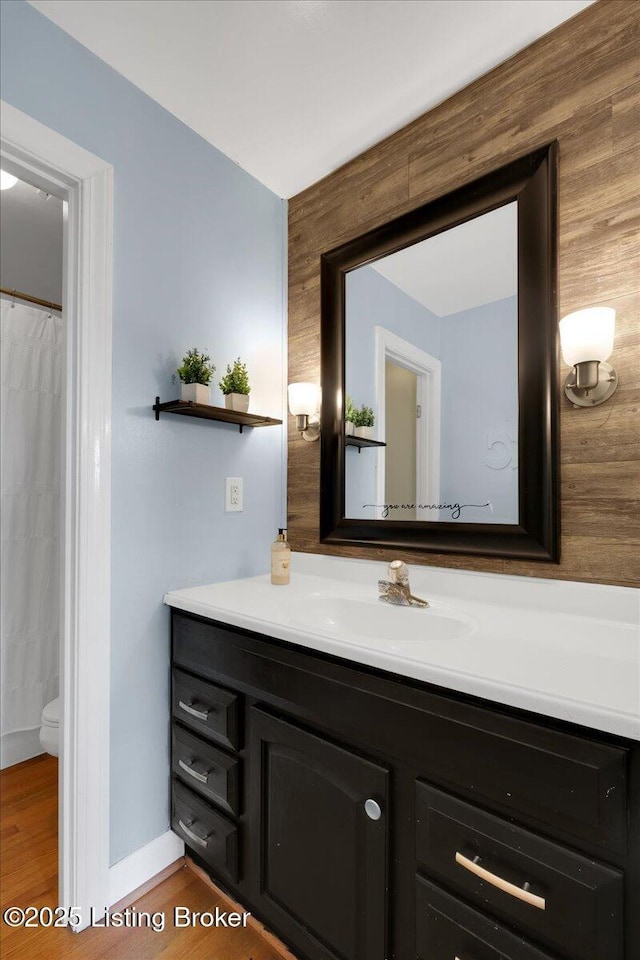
column 366, row 801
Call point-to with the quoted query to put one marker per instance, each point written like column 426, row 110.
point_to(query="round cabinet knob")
column 372, row 809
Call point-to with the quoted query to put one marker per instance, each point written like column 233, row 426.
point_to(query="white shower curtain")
column 32, row 347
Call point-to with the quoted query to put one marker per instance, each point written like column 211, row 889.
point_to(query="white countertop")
column 562, row 649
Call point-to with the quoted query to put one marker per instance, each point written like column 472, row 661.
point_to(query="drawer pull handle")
column 201, row 841
column 188, row 767
column 474, row 867
column 191, row 710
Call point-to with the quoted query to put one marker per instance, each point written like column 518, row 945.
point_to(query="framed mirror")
column 439, row 345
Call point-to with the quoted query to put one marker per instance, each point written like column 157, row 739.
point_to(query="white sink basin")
column 359, row 619
column 561, row 649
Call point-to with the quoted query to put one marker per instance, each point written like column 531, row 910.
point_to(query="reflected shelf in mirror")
column 360, row 442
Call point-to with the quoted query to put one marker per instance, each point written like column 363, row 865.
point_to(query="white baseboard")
column 139, row 867
column 18, row 746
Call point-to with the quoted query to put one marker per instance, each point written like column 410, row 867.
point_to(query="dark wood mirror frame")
column 531, row 181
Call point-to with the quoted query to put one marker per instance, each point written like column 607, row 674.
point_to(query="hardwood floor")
column 29, row 868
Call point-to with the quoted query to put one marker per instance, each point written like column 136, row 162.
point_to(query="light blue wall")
column 372, row 300
column 479, row 354
column 198, row 260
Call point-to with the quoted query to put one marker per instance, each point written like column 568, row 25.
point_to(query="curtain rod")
column 25, row 296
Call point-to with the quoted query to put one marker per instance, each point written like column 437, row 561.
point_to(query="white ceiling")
column 470, row 265
column 292, row 89
column 31, row 242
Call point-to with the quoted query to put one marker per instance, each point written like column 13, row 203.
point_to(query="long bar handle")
column 188, row 768
column 198, row 714
column 202, row 841
column 500, row 883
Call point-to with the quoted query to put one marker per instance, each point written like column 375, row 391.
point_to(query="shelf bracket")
column 157, row 411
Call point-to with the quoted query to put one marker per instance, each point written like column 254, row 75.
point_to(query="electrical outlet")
column 233, row 494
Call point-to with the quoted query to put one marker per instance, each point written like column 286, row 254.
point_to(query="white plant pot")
column 365, row 433
column 348, row 428
column 196, row 392
column 237, row 401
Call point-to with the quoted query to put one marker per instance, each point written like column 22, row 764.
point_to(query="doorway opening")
column 401, row 426
column 408, row 400
column 83, row 183
column 32, row 343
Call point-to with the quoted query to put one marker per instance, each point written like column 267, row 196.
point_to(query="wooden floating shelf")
column 204, row 411
column 360, row 442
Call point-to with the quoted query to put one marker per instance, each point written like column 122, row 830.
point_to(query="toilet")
column 50, row 728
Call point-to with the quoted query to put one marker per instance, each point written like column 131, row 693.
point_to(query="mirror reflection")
column 431, row 377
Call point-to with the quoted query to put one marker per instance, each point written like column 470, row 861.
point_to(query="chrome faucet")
column 396, row 589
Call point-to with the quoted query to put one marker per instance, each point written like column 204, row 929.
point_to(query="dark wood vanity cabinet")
column 363, row 816
column 322, row 858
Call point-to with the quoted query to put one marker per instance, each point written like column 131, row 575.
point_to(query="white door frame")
column 389, row 346
column 86, row 183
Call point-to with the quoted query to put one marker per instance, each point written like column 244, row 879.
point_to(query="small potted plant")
column 195, row 372
column 349, row 414
column 235, row 387
column 364, row 421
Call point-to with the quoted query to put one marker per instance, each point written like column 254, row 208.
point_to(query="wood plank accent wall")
column 581, row 86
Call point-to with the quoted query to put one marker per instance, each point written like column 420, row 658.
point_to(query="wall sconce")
column 304, row 405
column 7, row 180
column 587, row 341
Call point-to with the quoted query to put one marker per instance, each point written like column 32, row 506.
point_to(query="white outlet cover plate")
column 233, row 494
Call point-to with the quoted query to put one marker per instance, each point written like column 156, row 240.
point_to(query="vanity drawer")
column 206, row 769
column 207, row 708
column 570, row 902
column 570, row 785
column 446, row 929
column 212, row 836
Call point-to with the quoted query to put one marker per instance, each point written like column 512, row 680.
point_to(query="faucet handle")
column 398, row 572
column 396, row 593
column 399, row 594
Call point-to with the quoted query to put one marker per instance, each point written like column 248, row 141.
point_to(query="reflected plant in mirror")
column 364, row 420
column 444, row 321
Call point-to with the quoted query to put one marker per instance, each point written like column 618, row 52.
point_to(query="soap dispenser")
column 280, row 559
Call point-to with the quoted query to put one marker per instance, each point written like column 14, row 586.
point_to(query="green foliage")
column 349, row 410
column 196, row 367
column 358, row 416
column 363, row 417
column 236, row 379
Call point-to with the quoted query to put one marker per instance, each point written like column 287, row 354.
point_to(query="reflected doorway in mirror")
column 406, row 472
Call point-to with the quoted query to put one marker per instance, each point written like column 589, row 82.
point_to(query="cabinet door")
column 321, row 860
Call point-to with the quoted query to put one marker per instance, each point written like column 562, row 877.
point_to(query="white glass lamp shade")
column 587, row 335
column 7, row 180
column 304, row 399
